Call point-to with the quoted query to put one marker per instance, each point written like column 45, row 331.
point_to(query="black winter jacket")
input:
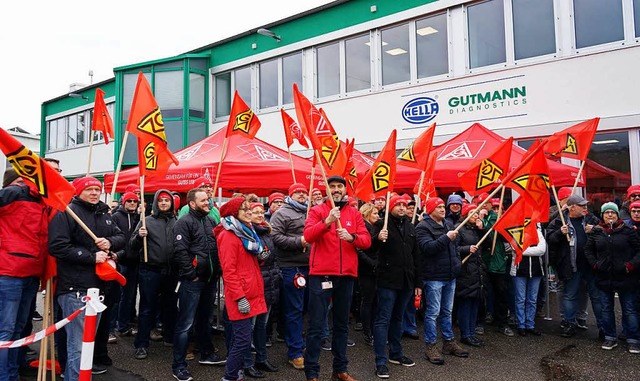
column 440, row 259
column 368, row 259
column 160, row 238
column 127, row 222
column 473, row 275
column 398, row 257
column 75, row 250
column 269, row 267
column 194, row 242
column 558, row 245
column 611, row 253
column 287, row 227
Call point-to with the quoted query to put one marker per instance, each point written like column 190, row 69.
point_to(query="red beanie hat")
column 483, row 197
column 107, row 271
column 202, row 181
column 495, row 202
column 432, row 204
column 352, row 201
column 176, row 202
column 297, row 187
column 633, row 189
column 467, row 208
column 232, row 207
column 164, row 194
column 635, row 204
column 395, row 200
column 255, row 205
column 564, row 192
column 314, row 190
column 129, row 196
column 82, row 183
column 275, row 196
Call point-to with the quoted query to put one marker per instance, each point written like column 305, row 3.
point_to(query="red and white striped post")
column 89, row 334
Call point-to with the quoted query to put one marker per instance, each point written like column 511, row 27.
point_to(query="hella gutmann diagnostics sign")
column 479, row 100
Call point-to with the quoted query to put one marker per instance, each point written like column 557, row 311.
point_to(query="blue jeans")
column 526, row 294
column 468, row 316
column 293, row 306
column 16, row 297
column 240, row 344
column 128, row 296
column 260, row 336
column 439, row 302
column 388, row 323
column 69, row 303
column 156, row 290
column 629, row 315
column 195, row 305
column 572, row 289
column 340, row 295
column 409, row 319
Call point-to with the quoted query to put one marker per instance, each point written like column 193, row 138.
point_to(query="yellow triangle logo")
column 407, row 154
column 150, row 157
column 329, row 153
column 517, row 233
column 488, row 173
column 27, row 164
column 571, row 147
column 381, row 177
column 243, row 121
column 152, row 124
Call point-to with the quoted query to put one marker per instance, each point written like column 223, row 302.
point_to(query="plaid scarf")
column 247, row 235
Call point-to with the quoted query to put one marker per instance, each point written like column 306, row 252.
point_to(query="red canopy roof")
column 460, row 152
column 250, row 166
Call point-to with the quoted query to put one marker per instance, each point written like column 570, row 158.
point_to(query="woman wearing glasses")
column 633, row 195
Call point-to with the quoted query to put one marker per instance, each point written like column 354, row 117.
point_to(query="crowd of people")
column 303, row 268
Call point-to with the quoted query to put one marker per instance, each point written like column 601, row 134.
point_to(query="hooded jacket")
column 329, row 254
column 160, row 237
column 196, row 251
column 127, row 222
column 75, row 250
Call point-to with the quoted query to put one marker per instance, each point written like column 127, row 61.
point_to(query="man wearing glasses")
column 206, row 185
column 633, row 195
column 566, row 252
column 634, row 221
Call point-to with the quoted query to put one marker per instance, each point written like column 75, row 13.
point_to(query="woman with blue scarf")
column 239, row 249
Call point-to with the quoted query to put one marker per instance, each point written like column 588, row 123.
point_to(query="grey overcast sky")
column 47, row 45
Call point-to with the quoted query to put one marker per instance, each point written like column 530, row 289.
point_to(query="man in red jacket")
column 333, row 267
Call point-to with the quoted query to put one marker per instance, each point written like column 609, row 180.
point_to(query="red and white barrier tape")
column 40, row 334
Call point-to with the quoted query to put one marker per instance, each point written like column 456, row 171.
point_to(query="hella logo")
column 420, row 110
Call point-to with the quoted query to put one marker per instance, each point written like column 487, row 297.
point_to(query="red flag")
column 52, row 187
column 428, row 185
column 292, row 130
column 485, row 173
column 350, row 173
column 101, row 119
column 417, row 153
column 518, row 227
column 145, row 121
column 573, row 142
column 242, row 120
column 333, row 151
column 379, row 178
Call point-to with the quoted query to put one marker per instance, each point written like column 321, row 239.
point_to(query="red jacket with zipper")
column 329, row 254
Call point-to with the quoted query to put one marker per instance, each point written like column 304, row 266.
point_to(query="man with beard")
column 196, row 258
column 157, row 283
column 293, row 258
column 206, row 185
column 77, row 255
column 317, row 197
column 333, row 269
column 398, row 280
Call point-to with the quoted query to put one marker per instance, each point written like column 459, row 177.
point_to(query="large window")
column 73, row 130
column 486, row 33
column 268, row 84
column 358, row 63
column 169, row 93
column 196, row 95
column 395, row 55
column 597, row 22
column 432, row 46
column 328, row 69
column 291, row 73
column 242, row 79
column 223, row 94
column 533, row 28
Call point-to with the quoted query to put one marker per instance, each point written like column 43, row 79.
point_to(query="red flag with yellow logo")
column 417, row 153
column 428, row 185
column 292, row 130
column 145, row 122
column 54, row 189
column 518, row 227
column 486, row 173
column 101, row 119
column 573, row 142
column 332, row 151
column 242, row 120
column 380, row 177
column 350, row 173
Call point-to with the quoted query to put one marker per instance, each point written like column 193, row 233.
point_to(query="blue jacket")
column 440, row 259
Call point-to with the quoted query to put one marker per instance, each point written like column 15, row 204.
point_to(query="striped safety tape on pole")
column 94, row 306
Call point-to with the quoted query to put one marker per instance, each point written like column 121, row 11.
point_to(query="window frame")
column 607, row 45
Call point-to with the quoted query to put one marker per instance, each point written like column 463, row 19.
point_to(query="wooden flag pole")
column 495, row 236
column 293, row 173
column 324, row 177
column 413, row 218
column 386, row 213
column 479, row 243
column 117, row 174
column 222, row 155
column 42, row 366
column 313, row 173
column 81, row 223
column 143, row 219
column 52, row 320
column 555, row 197
column 575, row 184
column 93, row 133
column 478, row 208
